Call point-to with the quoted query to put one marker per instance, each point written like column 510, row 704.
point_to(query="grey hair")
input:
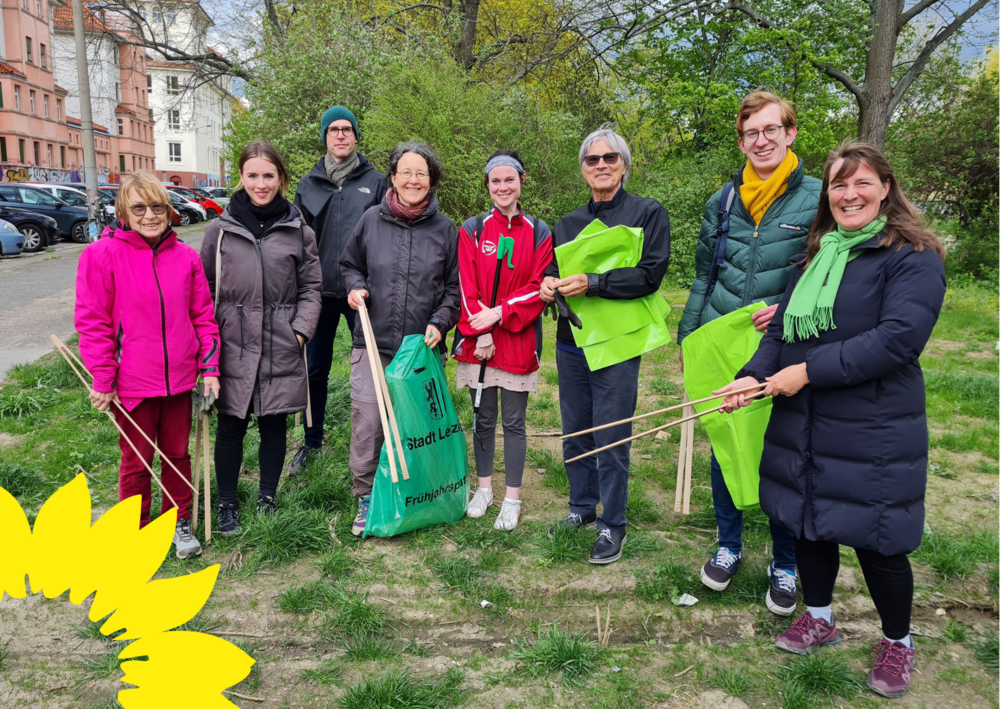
column 617, row 144
column 424, row 151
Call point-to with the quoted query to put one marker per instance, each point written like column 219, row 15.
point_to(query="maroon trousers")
column 166, row 420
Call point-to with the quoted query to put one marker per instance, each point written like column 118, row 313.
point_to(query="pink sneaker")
column 807, row 634
column 893, row 665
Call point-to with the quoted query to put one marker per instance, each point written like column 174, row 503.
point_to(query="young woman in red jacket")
column 500, row 326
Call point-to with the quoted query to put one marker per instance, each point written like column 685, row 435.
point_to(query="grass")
column 328, row 672
column 572, row 655
column 987, row 651
column 566, row 544
column 735, row 681
column 369, row 646
column 475, row 580
column 103, row 666
column 957, row 557
column 20, row 404
column 5, row 652
column 555, row 471
column 23, row 481
column 351, row 614
column 396, row 689
column 288, row 535
column 821, row 674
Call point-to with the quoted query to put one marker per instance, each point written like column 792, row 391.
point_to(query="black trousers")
column 889, row 579
column 229, row 453
column 320, row 352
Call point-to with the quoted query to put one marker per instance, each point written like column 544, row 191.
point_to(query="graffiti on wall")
column 36, row 173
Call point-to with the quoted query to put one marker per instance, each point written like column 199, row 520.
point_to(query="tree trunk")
column 873, row 116
column 470, row 16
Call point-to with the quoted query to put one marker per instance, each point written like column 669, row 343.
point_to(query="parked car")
column 189, row 212
column 73, row 196
column 11, row 240
column 212, row 209
column 72, row 220
column 38, row 230
column 221, row 200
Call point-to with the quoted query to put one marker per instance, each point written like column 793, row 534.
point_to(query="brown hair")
column 761, row 99
column 263, row 149
column 904, row 224
column 148, row 187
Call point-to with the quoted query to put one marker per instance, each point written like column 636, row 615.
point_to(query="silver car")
column 11, row 240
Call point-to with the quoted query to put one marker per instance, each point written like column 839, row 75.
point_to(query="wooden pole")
column 688, row 455
column 679, row 490
column 666, row 410
column 208, row 478
column 196, row 472
column 376, row 364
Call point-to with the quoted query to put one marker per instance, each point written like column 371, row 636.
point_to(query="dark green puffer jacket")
column 757, row 258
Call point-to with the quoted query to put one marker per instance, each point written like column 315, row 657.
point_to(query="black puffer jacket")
column 333, row 212
column 845, row 459
column 409, row 271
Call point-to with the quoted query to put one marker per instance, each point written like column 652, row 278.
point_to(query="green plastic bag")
column 713, row 354
column 613, row 330
column 433, row 443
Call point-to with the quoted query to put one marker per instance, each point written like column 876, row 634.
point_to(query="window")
column 62, row 155
column 173, row 85
column 175, row 152
column 157, row 16
column 135, row 95
column 37, row 151
column 118, row 91
column 171, row 15
column 121, row 163
column 45, row 104
column 38, row 6
column 121, row 127
column 48, row 154
column 27, row 45
column 142, row 14
column 24, row 3
column 151, row 114
column 17, row 99
column 36, row 196
column 1, row 96
column 143, row 98
column 58, row 108
column 31, row 101
column 3, row 149
column 133, row 163
column 20, row 141
column 41, row 53
column 149, row 82
column 174, row 119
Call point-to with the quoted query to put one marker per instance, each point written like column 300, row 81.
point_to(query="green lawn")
column 335, row 622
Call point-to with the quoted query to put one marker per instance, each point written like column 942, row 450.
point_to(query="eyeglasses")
column 610, row 159
column 340, row 131
column 407, row 174
column 771, row 132
column 139, row 210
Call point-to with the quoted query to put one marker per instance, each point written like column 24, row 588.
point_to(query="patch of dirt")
column 8, row 440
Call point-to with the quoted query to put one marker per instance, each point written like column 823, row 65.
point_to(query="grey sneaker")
column 575, row 521
column 358, row 528
column 718, row 571
column 300, row 460
column 184, row 541
column 781, row 595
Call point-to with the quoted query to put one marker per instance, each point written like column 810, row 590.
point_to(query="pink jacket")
column 144, row 315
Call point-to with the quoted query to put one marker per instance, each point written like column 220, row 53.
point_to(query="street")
column 37, row 298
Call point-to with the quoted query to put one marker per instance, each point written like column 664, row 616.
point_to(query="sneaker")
column 718, row 571
column 229, row 520
column 358, row 528
column 780, row 597
column 480, row 501
column 807, row 634
column 266, row 506
column 608, row 547
column 300, row 460
column 184, row 541
column 575, row 521
column 510, row 513
column 893, row 665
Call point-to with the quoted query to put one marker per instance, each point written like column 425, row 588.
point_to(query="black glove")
column 560, row 309
column 203, row 403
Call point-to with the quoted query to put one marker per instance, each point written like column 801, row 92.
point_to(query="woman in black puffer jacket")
column 845, row 453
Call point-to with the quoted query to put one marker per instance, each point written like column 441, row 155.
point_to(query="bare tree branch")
column 905, row 17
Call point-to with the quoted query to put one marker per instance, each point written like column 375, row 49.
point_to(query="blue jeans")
column 320, row 352
column 730, row 521
column 588, row 399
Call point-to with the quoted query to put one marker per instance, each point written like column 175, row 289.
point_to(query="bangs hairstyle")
column 904, row 225
column 434, row 170
column 150, row 190
column 263, row 149
column 762, row 99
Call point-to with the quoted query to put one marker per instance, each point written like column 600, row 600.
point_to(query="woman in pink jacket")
column 144, row 314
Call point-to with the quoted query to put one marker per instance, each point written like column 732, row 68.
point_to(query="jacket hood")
column 319, row 169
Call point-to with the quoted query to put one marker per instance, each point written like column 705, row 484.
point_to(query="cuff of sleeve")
column 304, row 338
column 484, row 340
column 104, row 387
column 820, row 362
column 593, row 284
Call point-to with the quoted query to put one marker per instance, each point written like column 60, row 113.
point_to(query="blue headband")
column 504, row 161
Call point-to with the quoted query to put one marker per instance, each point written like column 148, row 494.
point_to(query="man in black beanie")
column 332, row 198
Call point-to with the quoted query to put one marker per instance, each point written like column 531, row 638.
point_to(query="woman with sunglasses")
column 402, row 261
column 591, row 398
column 144, row 314
column 263, row 268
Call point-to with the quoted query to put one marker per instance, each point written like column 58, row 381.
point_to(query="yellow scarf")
column 760, row 194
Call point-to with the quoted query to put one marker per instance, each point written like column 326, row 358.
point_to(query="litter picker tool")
column 688, row 455
column 505, row 245
column 660, row 428
column 389, row 427
column 666, row 410
column 681, row 456
column 202, row 409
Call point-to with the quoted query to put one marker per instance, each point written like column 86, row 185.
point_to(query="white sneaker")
column 480, row 501
column 185, row 542
column 510, row 513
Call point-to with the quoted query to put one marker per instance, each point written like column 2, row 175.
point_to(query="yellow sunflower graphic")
column 64, row 552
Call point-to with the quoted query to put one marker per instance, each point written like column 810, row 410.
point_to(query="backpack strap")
column 726, row 200
column 218, row 270
column 479, row 229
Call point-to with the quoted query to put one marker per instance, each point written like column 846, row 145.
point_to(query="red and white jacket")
column 518, row 335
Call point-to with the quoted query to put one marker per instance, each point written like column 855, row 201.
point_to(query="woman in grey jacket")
column 402, row 259
column 264, row 272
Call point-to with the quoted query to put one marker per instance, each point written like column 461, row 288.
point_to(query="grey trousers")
column 366, row 424
column 514, row 406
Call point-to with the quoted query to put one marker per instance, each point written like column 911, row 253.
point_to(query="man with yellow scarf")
column 771, row 206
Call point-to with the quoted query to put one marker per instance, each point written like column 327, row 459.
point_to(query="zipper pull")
column 755, row 231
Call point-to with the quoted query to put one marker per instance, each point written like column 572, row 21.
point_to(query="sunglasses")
column 610, row 159
column 139, row 210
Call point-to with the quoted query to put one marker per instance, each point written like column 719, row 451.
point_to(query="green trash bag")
column 433, row 443
column 713, row 354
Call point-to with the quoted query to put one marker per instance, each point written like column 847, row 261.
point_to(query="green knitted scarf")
column 810, row 309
